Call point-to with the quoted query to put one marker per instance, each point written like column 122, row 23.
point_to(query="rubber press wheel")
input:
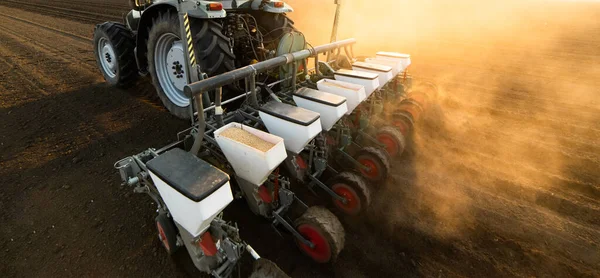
column 392, row 139
column 167, row 233
column 324, row 230
column 403, row 121
column 412, row 107
column 167, row 58
column 354, row 189
column 264, row 268
column 377, row 162
column 114, row 52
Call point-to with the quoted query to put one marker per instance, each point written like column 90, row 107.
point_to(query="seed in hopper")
column 247, row 138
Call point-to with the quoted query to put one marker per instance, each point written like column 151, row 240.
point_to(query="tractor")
column 178, row 42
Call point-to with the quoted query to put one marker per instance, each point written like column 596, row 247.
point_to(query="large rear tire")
column 113, row 50
column 166, row 57
column 324, row 230
column 273, row 25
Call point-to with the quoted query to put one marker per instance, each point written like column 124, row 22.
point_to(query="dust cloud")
column 515, row 123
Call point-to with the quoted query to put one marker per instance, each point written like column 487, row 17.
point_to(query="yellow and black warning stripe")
column 190, row 41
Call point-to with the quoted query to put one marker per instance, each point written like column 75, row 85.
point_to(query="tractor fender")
column 144, row 26
column 196, row 9
column 266, row 6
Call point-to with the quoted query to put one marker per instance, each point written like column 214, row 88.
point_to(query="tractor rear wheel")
column 324, row 230
column 113, row 49
column 273, row 26
column 354, row 189
column 167, row 59
column 264, row 268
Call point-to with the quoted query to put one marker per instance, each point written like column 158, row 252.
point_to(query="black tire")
column 122, row 41
column 392, row 138
column 272, row 25
column 211, row 48
column 379, row 162
column 328, row 227
column 264, row 268
column 167, row 233
column 354, row 188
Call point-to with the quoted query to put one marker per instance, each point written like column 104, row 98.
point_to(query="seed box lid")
column 373, row 67
column 189, row 175
column 290, row 113
column 320, row 97
column 393, row 55
column 357, row 74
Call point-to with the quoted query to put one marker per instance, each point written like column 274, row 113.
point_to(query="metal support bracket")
column 290, row 228
column 352, row 160
column 327, row 189
column 370, row 138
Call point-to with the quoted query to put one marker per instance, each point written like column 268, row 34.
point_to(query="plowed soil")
column 502, row 179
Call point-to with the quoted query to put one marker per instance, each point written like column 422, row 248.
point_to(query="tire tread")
column 329, row 224
column 397, row 135
column 123, row 40
column 357, row 183
column 381, row 155
column 211, row 48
